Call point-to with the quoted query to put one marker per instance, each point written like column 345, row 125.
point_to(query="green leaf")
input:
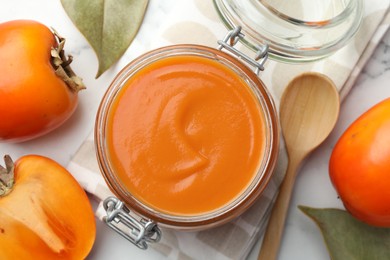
column 349, row 238
column 108, row 25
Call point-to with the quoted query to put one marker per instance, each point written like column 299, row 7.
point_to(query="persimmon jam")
column 185, row 135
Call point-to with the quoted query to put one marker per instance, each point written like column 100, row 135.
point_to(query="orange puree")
column 185, row 135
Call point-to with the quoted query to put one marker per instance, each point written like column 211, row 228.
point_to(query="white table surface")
column 302, row 239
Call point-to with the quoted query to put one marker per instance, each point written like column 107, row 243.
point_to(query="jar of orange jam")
column 186, row 138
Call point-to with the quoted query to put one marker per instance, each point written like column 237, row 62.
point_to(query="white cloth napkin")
column 196, row 21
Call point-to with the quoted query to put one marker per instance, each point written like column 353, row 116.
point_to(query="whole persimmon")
column 44, row 212
column 359, row 166
column 38, row 89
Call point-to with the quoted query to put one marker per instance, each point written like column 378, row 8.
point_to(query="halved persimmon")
column 44, row 212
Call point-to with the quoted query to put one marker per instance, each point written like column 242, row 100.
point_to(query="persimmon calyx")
column 61, row 64
column 6, row 176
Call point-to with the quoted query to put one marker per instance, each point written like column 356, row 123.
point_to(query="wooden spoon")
column 309, row 110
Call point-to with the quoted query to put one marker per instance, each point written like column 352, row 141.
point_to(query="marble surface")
column 302, row 239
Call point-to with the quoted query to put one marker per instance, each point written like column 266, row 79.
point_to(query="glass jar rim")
column 246, row 198
column 288, row 48
column 323, row 23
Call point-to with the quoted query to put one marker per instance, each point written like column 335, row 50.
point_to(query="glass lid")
column 295, row 30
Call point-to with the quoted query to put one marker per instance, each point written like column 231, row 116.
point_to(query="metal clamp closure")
column 140, row 232
column 232, row 37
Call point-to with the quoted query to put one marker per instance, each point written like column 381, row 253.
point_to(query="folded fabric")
column 196, row 21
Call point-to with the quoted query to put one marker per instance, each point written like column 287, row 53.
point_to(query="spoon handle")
column 273, row 234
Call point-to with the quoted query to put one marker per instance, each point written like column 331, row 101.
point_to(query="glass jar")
column 212, row 218
column 297, row 30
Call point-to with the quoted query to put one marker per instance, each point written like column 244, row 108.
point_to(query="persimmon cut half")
column 44, row 212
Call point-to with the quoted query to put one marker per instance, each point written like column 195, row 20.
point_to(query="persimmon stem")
column 61, row 64
column 7, row 176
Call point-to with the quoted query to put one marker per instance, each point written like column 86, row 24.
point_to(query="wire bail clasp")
column 140, row 232
column 232, row 37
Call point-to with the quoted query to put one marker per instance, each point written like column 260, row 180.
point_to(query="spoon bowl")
column 309, row 110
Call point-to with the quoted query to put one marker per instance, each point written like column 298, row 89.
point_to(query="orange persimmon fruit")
column 38, row 89
column 44, row 212
column 359, row 166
